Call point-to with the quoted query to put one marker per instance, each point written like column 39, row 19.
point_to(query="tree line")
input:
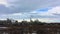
column 10, row 22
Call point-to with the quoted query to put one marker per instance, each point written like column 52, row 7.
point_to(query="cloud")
column 4, row 2
column 24, row 9
column 5, row 10
column 26, row 6
column 52, row 11
column 51, row 15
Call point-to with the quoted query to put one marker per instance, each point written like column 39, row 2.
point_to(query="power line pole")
column 31, row 18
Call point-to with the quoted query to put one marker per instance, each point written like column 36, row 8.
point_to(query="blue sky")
column 44, row 10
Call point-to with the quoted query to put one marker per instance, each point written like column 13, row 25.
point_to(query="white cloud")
column 50, row 13
column 4, row 2
column 17, row 14
column 30, row 5
column 54, row 10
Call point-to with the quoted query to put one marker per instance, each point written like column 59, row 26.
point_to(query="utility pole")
column 31, row 18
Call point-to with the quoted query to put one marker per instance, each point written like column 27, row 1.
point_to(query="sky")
column 44, row 10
